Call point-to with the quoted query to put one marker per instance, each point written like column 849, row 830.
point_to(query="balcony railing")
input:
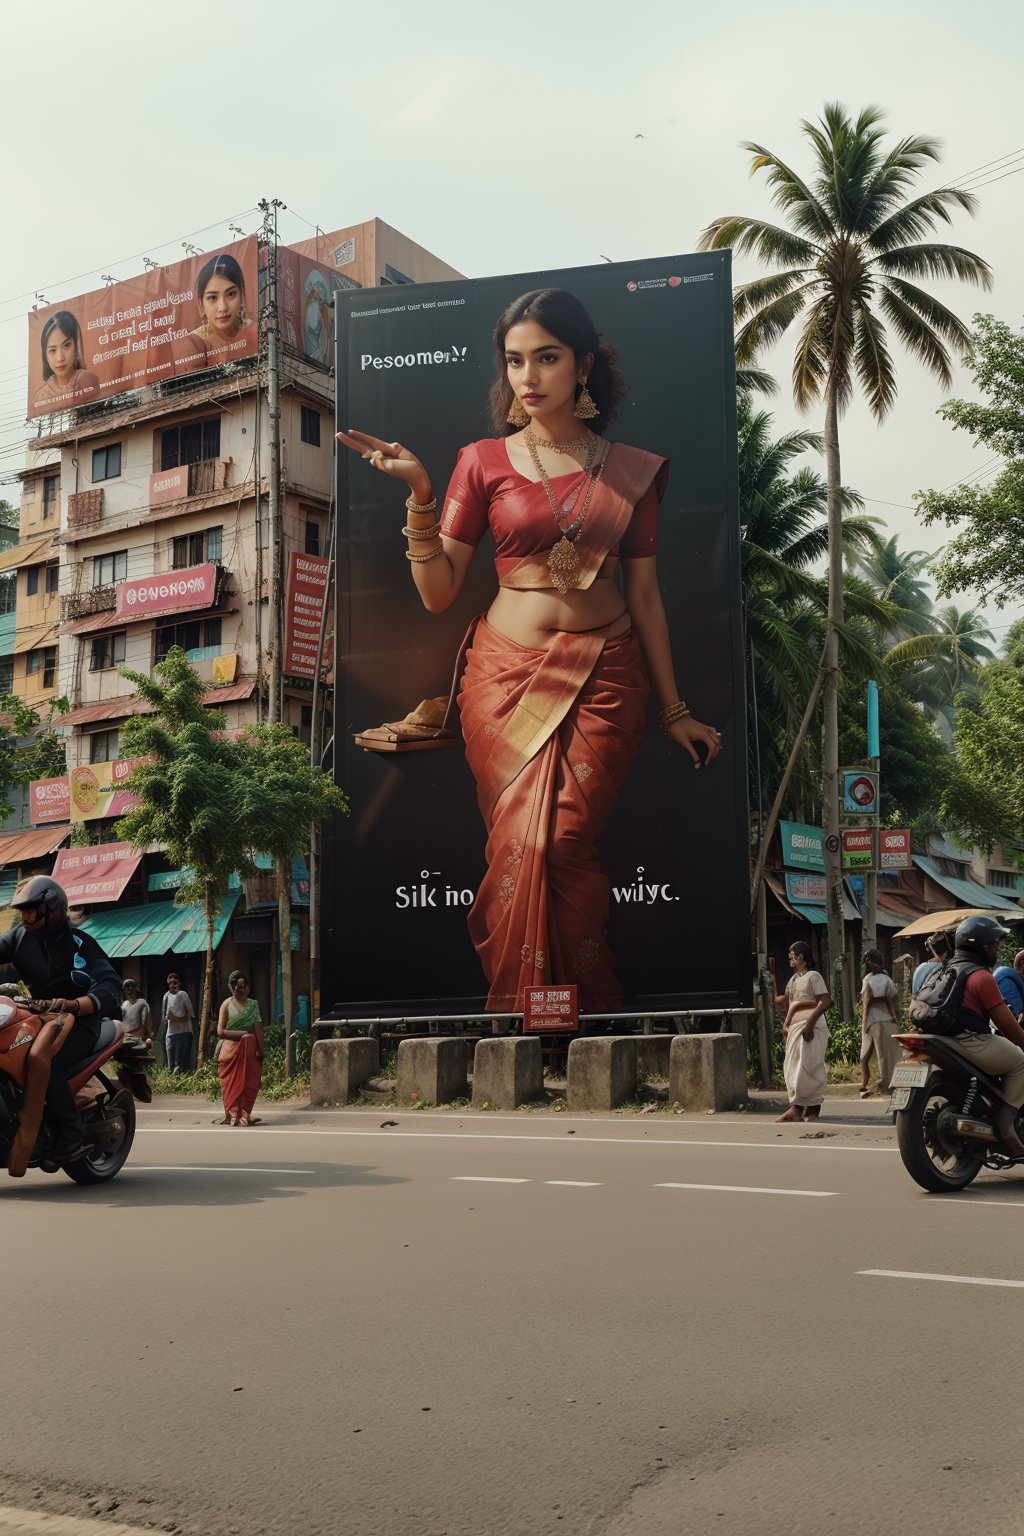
column 85, row 508
column 78, row 605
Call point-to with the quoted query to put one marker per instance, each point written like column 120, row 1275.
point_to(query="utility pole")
column 871, row 882
column 275, row 542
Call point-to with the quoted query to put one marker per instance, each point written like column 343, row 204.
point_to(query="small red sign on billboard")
column 150, row 596
column 551, row 1008
column 168, row 485
column 894, row 848
column 49, row 800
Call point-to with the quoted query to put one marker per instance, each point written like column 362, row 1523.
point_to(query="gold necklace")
column 563, row 561
column 568, row 444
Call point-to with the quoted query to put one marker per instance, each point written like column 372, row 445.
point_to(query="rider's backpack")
column 936, row 1008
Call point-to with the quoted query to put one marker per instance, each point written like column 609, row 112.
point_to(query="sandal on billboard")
column 423, row 729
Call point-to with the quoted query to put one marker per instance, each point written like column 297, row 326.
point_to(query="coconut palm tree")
column 900, row 577
column 848, row 256
column 936, row 666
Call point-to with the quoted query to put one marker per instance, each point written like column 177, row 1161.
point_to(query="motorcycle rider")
column 65, row 972
column 1001, row 1054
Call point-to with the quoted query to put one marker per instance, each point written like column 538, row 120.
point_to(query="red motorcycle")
column 28, row 1043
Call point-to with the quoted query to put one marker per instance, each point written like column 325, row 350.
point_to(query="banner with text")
column 49, row 800
column 95, row 874
column 99, row 790
column 166, row 322
column 177, row 592
column 306, row 595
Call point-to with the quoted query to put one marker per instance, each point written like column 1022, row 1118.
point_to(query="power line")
column 969, row 175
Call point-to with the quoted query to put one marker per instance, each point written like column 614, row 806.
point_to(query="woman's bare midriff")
column 533, row 618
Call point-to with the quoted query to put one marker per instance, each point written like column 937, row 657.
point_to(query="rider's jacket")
column 63, row 962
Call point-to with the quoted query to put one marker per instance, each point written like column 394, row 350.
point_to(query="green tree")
column 282, row 797
column 986, row 804
column 190, row 796
column 987, row 555
column 943, row 663
column 30, row 747
column 847, row 258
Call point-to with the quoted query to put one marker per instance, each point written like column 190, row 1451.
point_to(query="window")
column 43, row 660
column 312, row 537
column 106, row 462
column 193, row 635
column 197, row 548
column 7, row 674
column 32, row 580
column 51, row 485
column 106, row 569
column 104, row 746
column 310, row 429
column 190, row 443
column 107, row 651
column 8, row 591
column 1003, row 879
column 52, row 578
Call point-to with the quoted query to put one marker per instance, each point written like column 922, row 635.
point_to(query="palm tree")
column 899, row 576
column 852, row 244
column 937, row 665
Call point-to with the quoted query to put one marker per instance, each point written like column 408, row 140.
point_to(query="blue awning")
column 968, row 892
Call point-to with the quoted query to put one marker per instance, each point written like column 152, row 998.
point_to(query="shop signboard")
column 894, row 848
column 801, row 845
column 306, row 595
column 805, row 888
column 99, row 790
column 551, row 1008
column 151, row 597
column 857, row 847
column 49, row 801
column 859, row 791
column 95, row 874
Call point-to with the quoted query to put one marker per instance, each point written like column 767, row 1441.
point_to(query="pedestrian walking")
column 239, row 1052
column 1010, row 981
column 179, row 1015
column 805, row 1034
column 136, row 1014
column 879, row 1023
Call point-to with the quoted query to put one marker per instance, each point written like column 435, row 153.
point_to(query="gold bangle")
column 426, row 506
column 422, row 533
column 674, row 711
column 431, row 554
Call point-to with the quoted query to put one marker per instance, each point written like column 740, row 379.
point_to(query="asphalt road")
column 509, row 1325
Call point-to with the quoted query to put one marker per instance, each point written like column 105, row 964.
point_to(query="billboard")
column 415, row 894
column 168, row 321
column 306, row 594
column 98, row 790
column 305, row 295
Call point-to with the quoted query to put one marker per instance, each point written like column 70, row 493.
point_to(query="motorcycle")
column 105, row 1101
column 944, row 1107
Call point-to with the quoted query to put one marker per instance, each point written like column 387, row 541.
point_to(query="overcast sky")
column 502, row 137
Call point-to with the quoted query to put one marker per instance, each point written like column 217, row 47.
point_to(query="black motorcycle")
column 944, row 1108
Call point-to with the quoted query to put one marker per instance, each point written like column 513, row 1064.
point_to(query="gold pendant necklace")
column 563, row 561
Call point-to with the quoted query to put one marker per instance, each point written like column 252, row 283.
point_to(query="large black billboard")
column 415, row 365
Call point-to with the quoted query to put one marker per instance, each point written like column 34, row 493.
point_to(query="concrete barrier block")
column 338, row 1068
column 432, row 1071
column 708, row 1072
column 602, row 1071
column 508, row 1071
column 652, row 1054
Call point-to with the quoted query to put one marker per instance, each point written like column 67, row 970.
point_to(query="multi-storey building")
column 146, row 523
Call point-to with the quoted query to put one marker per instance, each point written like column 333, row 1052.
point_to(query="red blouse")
column 484, row 485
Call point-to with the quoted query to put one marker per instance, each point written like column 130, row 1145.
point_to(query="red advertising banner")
column 551, row 1008
column 857, row 847
column 49, row 800
column 168, row 485
column 307, row 593
column 151, row 596
column 894, row 848
column 95, row 874
column 169, row 321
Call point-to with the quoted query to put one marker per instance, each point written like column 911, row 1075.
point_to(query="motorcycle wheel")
column 938, row 1166
column 100, row 1167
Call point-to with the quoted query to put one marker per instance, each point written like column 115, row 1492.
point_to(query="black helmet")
column 975, row 934
column 49, row 899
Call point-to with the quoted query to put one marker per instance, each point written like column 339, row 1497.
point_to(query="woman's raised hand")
column 390, row 459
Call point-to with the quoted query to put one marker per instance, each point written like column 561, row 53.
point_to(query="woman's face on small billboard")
column 60, row 353
column 222, row 304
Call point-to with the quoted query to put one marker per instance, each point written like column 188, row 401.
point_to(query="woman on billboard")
column 554, row 692
column 66, row 380
column 225, row 327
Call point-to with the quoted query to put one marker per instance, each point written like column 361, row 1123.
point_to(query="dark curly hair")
column 562, row 315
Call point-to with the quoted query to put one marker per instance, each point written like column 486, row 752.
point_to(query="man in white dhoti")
column 805, row 1034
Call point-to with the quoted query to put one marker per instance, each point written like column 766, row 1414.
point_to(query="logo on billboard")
column 860, row 792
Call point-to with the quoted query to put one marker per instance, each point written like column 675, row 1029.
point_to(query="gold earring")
column 585, row 410
column 518, row 415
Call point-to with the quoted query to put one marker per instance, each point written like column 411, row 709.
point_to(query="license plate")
column 907, row 1075
column 899, row 1099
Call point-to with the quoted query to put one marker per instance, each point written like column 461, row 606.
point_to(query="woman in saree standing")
column 239, row 1052
column 554, row 694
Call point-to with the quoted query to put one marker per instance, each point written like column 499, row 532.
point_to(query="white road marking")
column 575, row 1183
column 746, row 1189
column 910, row 1274
column 168, row 1168
column 480, row 1178
column 32, row 1522
column 969, row 1200
column 563, row 1139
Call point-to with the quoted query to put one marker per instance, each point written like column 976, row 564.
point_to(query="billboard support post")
column 274, row 593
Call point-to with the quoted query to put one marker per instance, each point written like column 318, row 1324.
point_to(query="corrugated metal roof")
column 968, row 892
column 132, row 704
column 24, row 847
column 96, row 623
column 160, row 928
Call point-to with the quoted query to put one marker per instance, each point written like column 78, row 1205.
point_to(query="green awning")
column 171, row 879
column 160, row 928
